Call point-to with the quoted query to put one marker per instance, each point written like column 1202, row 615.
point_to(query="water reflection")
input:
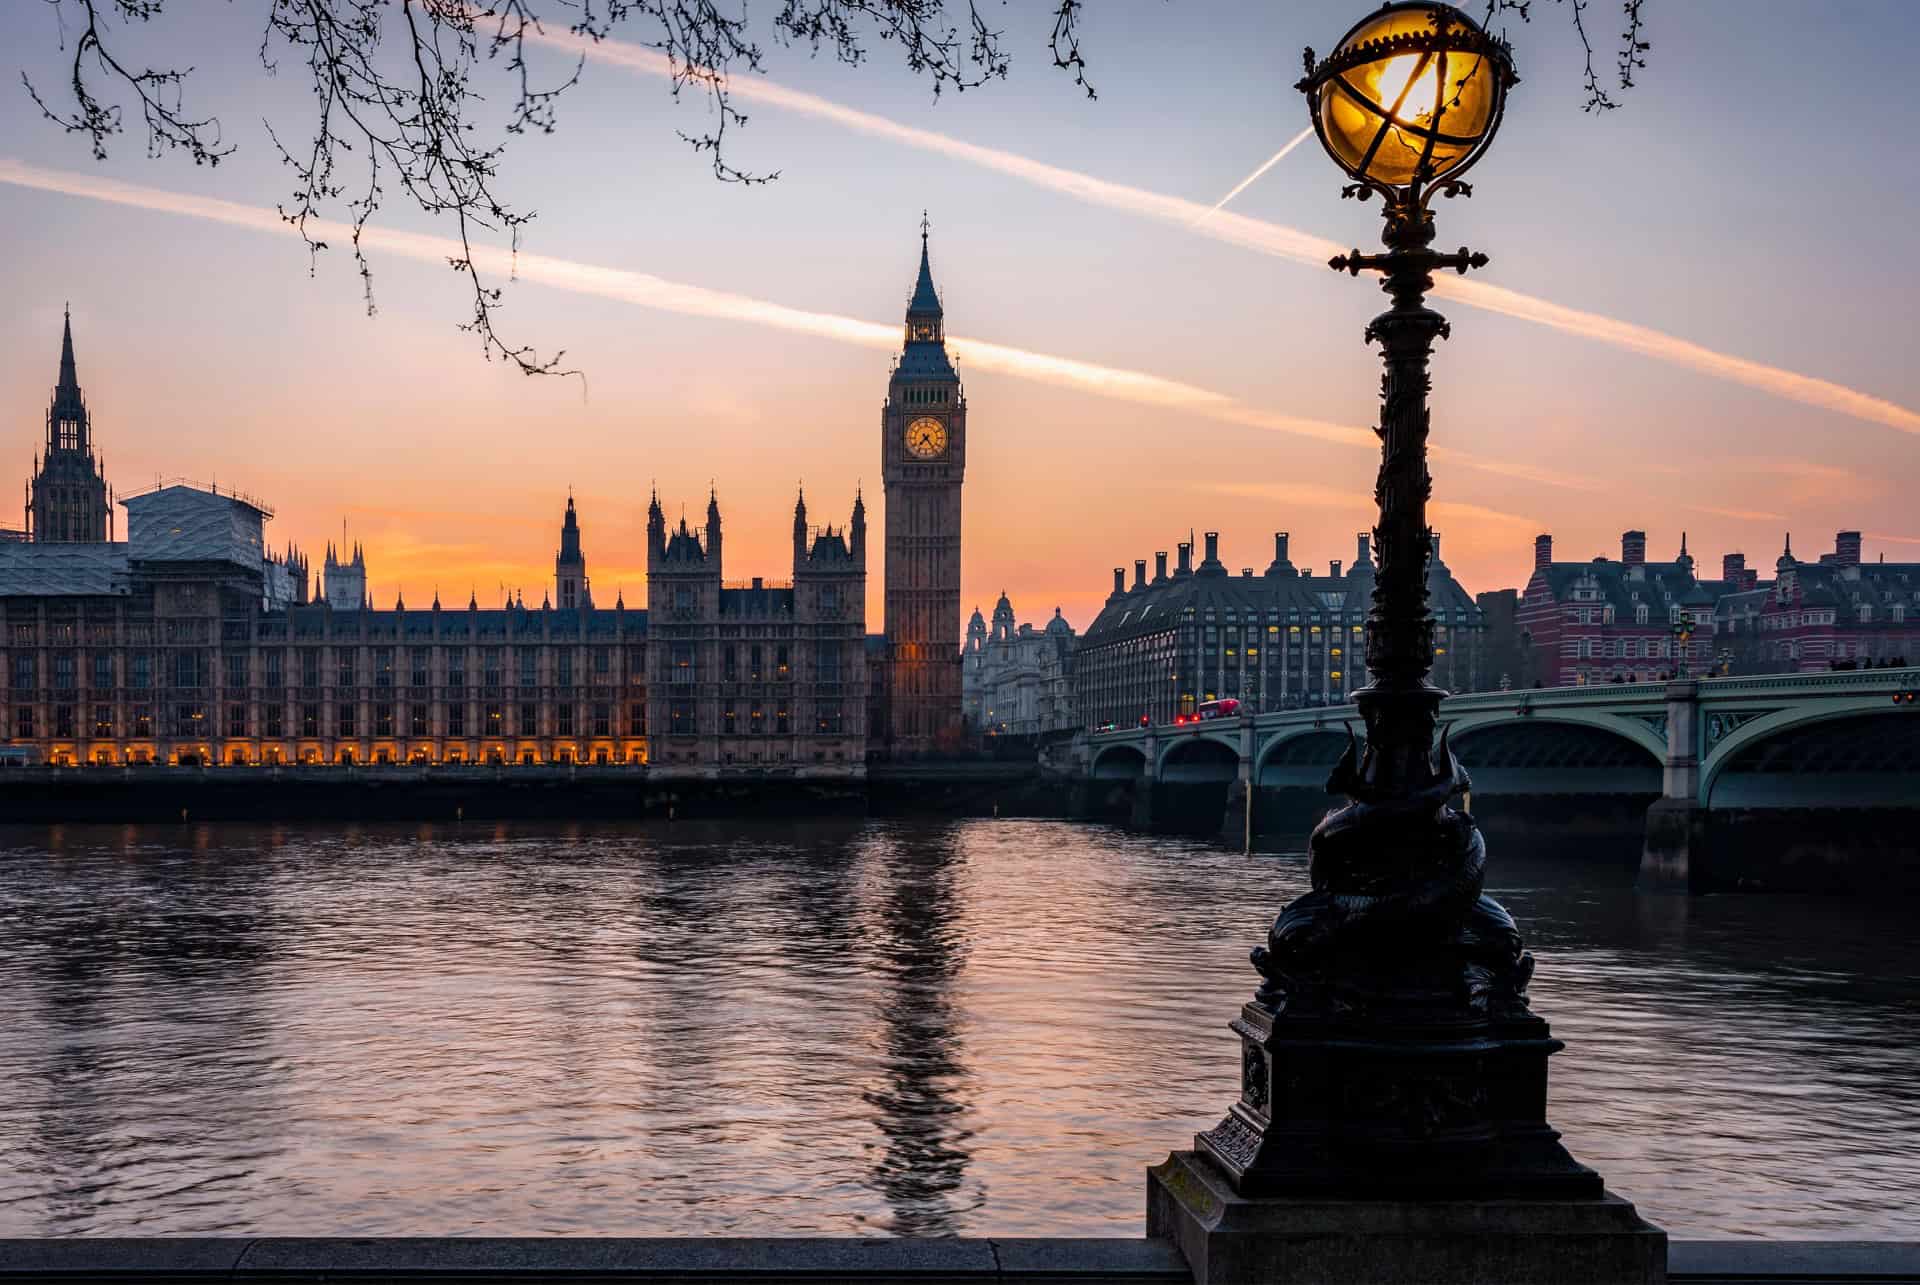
column 922, row 1170
column 182, row 940
column 848, row 1028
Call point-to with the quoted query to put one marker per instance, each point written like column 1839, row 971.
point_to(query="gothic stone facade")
column 923, row 454
column 178, row 648
column 757, row 675
column 144, row 653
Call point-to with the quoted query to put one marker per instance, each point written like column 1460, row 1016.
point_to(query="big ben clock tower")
column 923, row 456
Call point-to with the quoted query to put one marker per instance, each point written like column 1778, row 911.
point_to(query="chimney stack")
column 1733, row 569
column 1846, row 548
column 1633, row 548
column 1433, row 544
column 1542, row 551
column 1279, row 546
column 1186, row 558
column 1333, row 568
column 1119, row 581
column 1213, row 546
column 1363, row 550
column 1139, row 573
column 1159, row 566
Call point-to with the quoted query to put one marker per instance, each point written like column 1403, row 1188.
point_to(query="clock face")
column 926, row 437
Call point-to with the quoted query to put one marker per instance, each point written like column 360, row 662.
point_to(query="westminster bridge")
column 1788, row 780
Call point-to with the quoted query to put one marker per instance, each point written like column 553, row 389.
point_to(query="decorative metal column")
column 1391, row 1122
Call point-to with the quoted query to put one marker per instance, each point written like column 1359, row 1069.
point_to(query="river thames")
column 848, row 1028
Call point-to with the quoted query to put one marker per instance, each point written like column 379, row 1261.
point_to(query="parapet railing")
column 211, row 488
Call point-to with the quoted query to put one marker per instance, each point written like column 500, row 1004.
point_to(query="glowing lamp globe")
column 1411, row 96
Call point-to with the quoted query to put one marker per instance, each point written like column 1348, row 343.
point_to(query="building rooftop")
column 57, row 570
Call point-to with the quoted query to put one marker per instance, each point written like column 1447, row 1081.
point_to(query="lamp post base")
column 1230, row 1239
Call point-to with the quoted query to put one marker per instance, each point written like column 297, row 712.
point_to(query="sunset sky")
column 1697, row 316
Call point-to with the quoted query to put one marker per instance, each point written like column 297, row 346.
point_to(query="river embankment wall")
column 53, row 795
column 794, row 1261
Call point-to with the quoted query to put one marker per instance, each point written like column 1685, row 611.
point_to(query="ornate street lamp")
column 1391, row 1122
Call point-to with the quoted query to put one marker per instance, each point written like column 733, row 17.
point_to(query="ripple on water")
column 843, row 1028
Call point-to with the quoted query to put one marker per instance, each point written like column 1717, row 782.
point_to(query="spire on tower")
column 69, row 377
column 926, row 300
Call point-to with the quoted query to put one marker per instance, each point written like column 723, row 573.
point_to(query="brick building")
column 1613, row 620
column 1608, row 620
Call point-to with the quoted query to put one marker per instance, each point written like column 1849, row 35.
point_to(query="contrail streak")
column 1284, row 242
column 1272, row 161
column 658, row 293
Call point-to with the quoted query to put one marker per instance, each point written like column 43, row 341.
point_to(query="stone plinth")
column 1396, row 1107
column 1229, row 1239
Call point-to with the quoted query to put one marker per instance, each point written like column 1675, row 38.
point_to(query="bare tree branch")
column 1630, row 57
column 395, row 102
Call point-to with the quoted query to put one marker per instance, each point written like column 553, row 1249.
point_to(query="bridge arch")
column 1199, row 758
column 1862, row 752
column 1300, row 757
column 1549, row 754
column 1119, row 763
column 1631, row 729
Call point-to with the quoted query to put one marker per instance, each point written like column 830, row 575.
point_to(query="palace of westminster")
column 189, row 641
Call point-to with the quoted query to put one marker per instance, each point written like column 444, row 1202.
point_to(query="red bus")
column 1228, row 708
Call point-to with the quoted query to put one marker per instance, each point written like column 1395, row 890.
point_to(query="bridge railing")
column 1828, row 683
